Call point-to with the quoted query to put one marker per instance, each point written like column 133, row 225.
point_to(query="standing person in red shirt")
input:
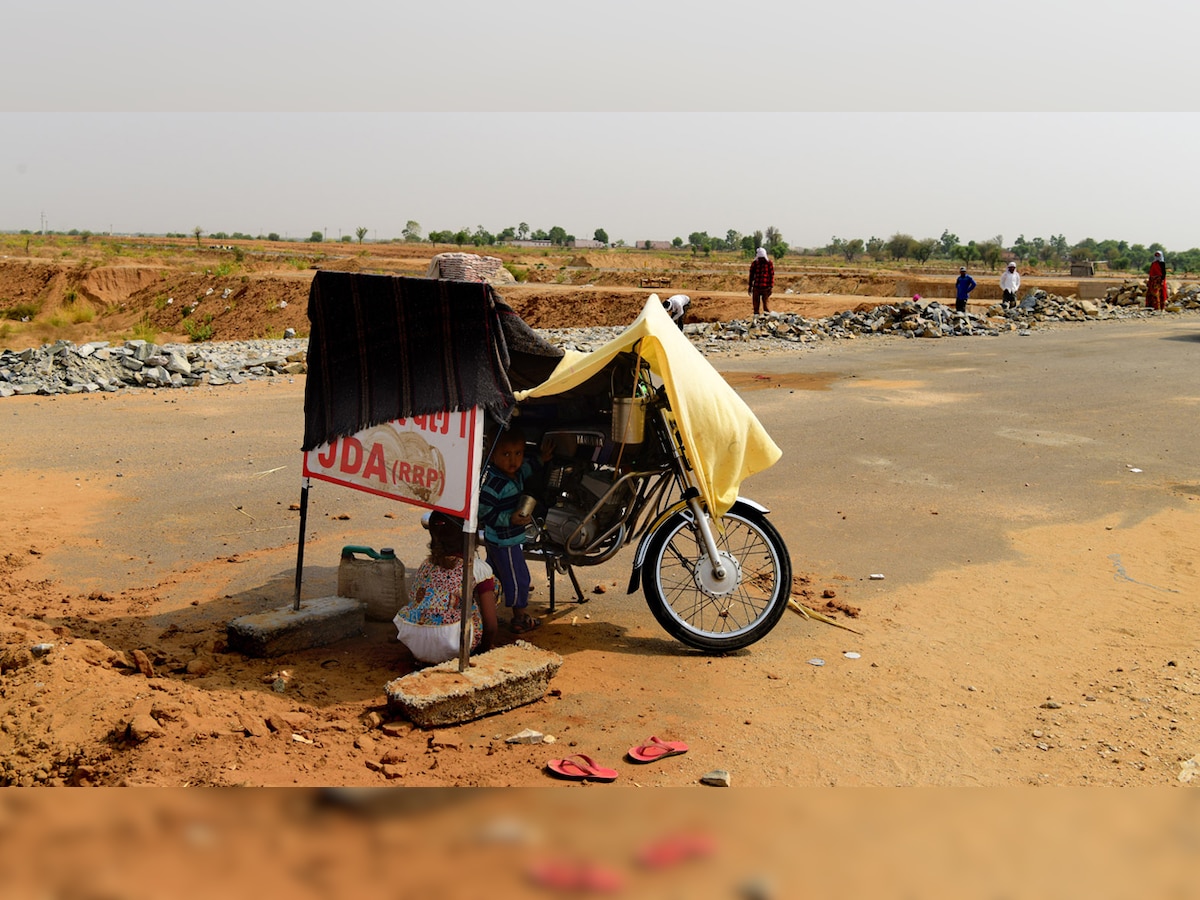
column 1156, row 286
column 762, row 280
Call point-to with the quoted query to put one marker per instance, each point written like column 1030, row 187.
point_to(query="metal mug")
column 525, row 505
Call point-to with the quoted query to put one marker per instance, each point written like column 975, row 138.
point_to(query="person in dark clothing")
column 762, row 280
column 962, row 289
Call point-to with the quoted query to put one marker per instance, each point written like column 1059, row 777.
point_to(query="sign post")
column 432, row 461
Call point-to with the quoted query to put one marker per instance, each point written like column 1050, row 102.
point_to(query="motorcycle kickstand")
column 550, row 578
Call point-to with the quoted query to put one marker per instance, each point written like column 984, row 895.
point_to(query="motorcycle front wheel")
column 704, row 611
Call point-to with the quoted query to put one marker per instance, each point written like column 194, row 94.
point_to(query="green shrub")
column 199, row 331
column 516, row 271
column 144, row 331
column 27, row 309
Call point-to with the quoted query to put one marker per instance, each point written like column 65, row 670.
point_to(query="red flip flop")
column 655, row 748
column 581, row 767
column 563, row 875
column 676, row 849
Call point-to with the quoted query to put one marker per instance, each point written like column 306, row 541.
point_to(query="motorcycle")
column 619, row 474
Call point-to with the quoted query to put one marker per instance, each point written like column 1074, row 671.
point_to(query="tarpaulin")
column 723, row 440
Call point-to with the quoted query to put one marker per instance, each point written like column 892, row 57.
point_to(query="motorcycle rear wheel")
column 711, row 614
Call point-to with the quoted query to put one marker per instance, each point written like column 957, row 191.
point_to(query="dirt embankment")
column 171, row 290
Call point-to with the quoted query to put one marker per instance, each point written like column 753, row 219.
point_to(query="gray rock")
column 716, row 778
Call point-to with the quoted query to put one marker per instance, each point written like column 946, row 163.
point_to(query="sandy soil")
column 138, row 525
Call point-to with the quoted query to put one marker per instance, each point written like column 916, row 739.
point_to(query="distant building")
column 587, row 245
column 1082, row 268
column 654, row 245
column 530, row 243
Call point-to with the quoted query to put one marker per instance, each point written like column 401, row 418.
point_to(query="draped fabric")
column 383, row 347
column 1156, row 286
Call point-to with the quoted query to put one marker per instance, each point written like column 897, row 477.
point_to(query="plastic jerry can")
column 377, row 580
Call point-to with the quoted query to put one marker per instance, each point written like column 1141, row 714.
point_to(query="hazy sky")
column 649, row 120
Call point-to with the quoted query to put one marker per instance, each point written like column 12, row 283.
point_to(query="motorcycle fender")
column 635, row 576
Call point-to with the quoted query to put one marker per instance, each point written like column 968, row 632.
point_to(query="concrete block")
column 498, row 680
column 278, row 631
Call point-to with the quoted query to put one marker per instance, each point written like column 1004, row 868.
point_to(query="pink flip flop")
column 565, row 875
column 655, row 748
column 581, row 767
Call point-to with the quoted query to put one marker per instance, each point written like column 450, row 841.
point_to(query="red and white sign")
column 431, row 461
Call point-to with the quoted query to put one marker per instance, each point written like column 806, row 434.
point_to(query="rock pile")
column 1133, row 293
column 64, row 368
column 922, row 318
column 469, row 267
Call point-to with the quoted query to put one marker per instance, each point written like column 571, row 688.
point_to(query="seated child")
column 429, row 624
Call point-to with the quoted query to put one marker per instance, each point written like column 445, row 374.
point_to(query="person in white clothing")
column 1009, row 282
column 676, row 306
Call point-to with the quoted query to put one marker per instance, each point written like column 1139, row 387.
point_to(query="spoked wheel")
column 714, row 613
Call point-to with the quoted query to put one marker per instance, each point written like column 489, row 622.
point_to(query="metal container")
column 526, row 505
column 378, row 581
column 628, row 420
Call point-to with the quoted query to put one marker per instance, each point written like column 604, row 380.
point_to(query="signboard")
column 431, row 461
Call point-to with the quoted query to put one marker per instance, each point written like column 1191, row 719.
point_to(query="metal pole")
column 304, row 484
column 468, row 597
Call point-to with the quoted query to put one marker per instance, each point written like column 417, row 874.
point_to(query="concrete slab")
column 498, row 680
column 278, row 631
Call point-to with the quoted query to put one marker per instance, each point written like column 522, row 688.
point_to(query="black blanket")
column 383, row 347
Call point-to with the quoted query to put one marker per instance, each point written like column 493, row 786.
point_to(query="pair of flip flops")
column 656, row 749
column 582, row 767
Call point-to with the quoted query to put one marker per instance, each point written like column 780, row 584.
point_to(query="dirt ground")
column 139, row 524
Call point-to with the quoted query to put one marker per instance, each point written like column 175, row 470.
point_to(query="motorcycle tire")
column 709, row 614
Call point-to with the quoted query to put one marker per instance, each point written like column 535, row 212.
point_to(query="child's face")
column 508, row 457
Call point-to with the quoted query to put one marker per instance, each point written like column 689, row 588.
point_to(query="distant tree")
column 273, row 236
column 316, row 237
column 900, row 246
column 778, row 249
column 991, row 252
column 772, row 236
column 851, row 248
column 197, row 231
column 733, row 239
column 948, row 243
column 360, row 232
column 600, row 235
column 462, row 236
column 85, row 236
column 540, row 235
column 482, row 237
column 697, row 241
column 676, row 242
column 507, row 234
column 965, row 252
column 758, row 239
column 923, row 249
column 412, row 231
column 345, row 239
column 522, row 230
column 558, row 235
column 648, row 244
column 876, row 246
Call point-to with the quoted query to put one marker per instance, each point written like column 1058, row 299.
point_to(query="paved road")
column 901, row 457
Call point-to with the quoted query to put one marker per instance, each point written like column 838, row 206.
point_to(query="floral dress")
column 429, row 624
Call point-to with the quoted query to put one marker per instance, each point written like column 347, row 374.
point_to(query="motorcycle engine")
column 574, row 488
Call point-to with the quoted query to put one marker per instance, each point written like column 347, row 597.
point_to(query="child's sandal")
column 524, row 625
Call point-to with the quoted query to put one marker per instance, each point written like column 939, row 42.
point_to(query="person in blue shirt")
column 504, row 527
column 962, row 289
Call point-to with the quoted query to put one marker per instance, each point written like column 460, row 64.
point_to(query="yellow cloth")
column 723, row 439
